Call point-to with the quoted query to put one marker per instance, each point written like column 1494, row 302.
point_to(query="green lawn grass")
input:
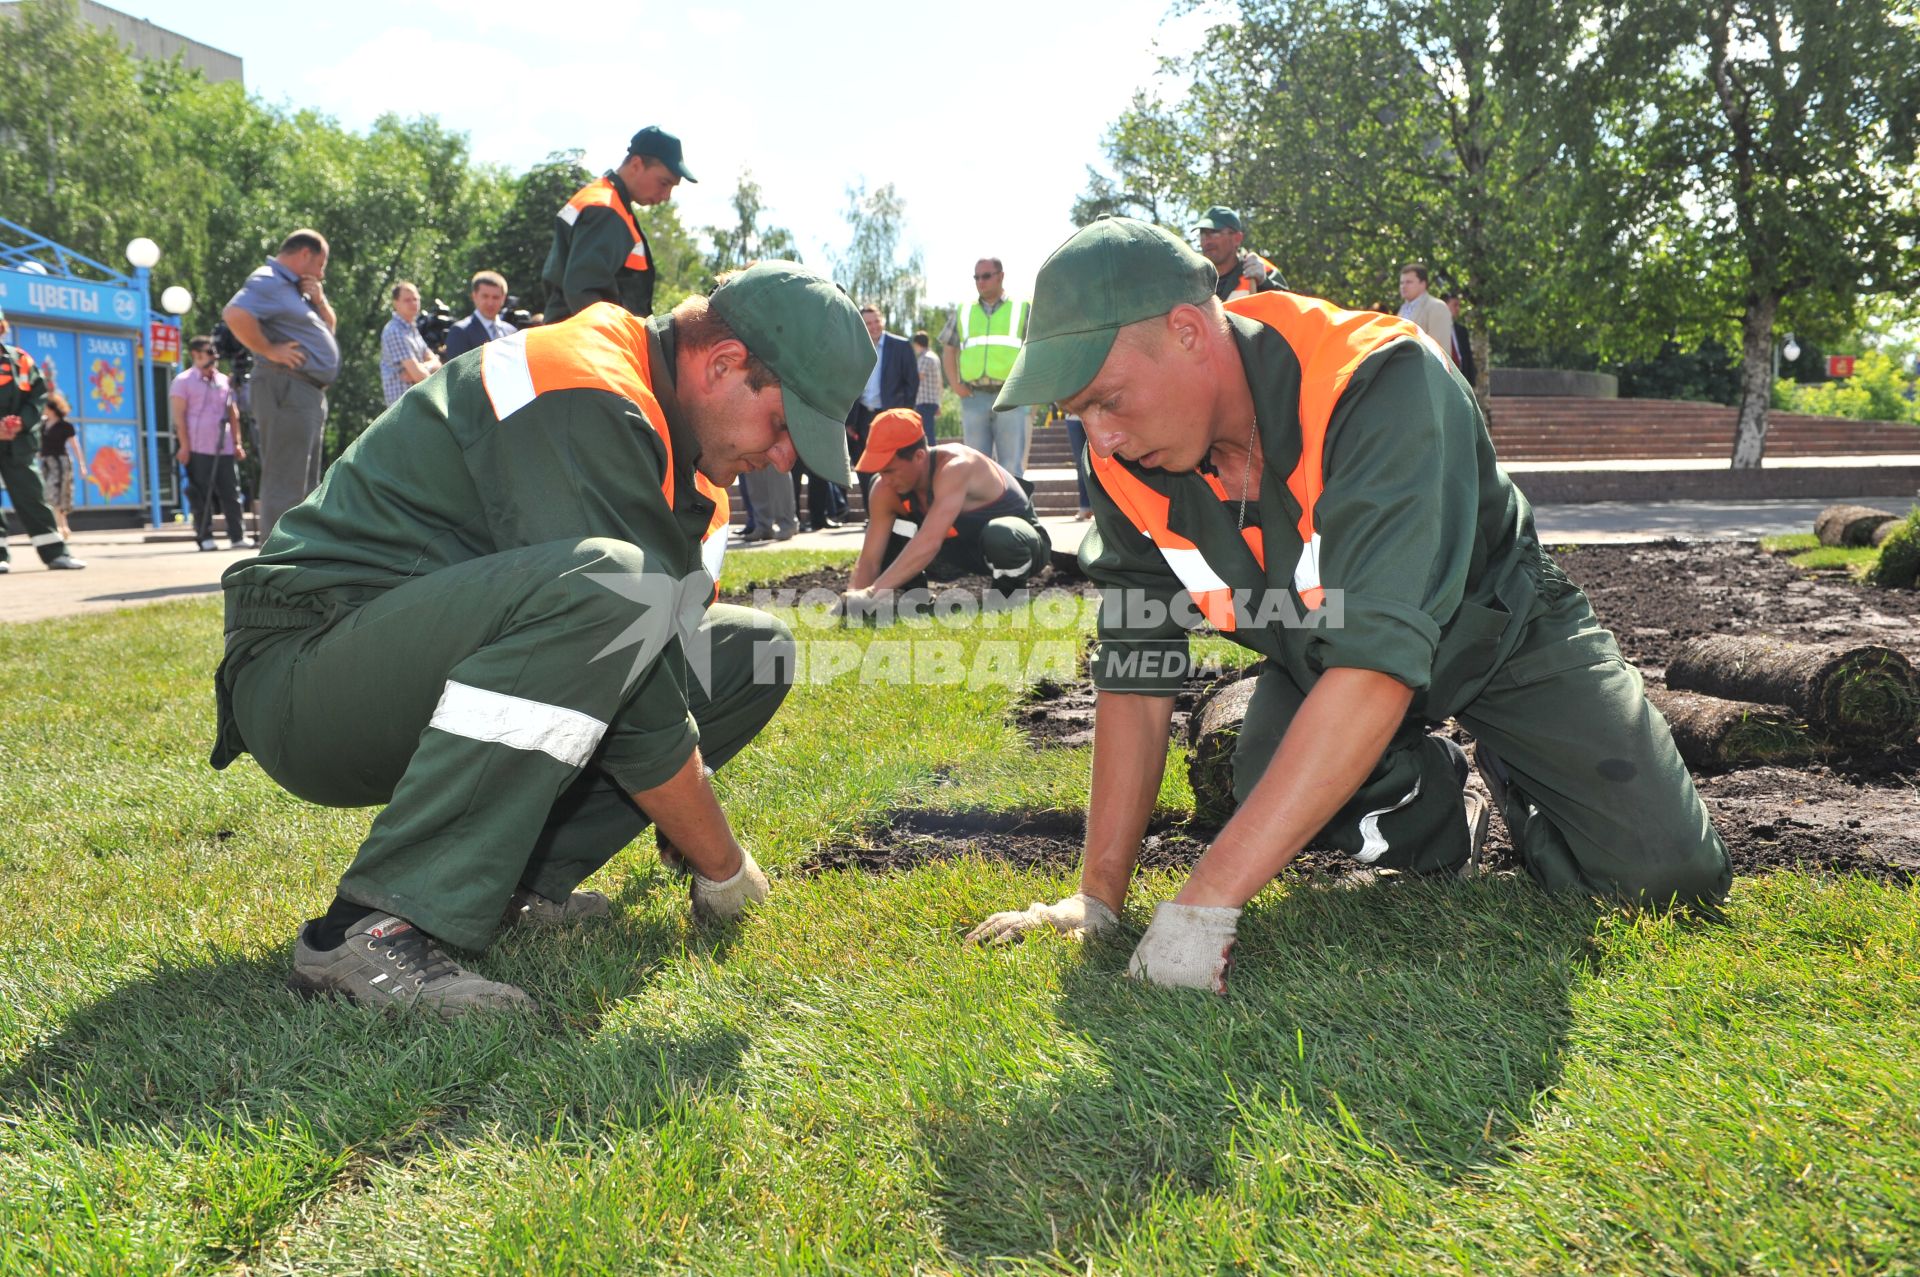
column 1803, row 550
column 1406, row 1078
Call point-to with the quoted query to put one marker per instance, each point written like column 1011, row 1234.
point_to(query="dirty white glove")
column 1076, row 917
column 1188, row 946
column 725, row 901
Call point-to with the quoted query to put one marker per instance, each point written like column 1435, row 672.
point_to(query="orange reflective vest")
column 1330, row 344
column 599, row 193
column 1246, row 285
column 602, row 348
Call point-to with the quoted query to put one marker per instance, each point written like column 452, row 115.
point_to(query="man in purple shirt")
column 206, row 440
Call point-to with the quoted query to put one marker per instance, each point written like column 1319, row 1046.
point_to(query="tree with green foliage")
column 871, row 268
column 1353, row 137
column 748, row 240
column 1789, row 134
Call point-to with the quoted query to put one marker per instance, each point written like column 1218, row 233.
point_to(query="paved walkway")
column 130, row 566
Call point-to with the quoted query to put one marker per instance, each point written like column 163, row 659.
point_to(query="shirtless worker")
column 1319, row 485
column 949, row 505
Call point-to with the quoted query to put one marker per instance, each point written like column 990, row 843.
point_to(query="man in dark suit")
column 894, row 383
column 489, row 293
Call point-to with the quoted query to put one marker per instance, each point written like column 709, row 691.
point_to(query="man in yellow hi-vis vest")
column 978, row 347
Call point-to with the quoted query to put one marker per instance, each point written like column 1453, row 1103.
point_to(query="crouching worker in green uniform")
column 949, row 508
column 493, row 617
column 1318, row 485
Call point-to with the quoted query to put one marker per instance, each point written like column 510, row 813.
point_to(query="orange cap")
column 892, row 430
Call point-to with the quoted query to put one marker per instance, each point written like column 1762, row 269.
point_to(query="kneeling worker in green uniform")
column 493, row 617
column 948, row 506
column 1318, row 485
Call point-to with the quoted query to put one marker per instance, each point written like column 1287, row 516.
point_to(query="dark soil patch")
column 1056, row 716
column 1027, row 839
column 828, row 583
column 1655, row 597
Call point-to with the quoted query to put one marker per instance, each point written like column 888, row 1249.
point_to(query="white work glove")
column 1188, row 947
column 726, row 901
column 1076, row 917
column 1254, row 268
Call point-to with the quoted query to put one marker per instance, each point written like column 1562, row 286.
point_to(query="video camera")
column 226, row 346
column 432, row 325
column 517, row 315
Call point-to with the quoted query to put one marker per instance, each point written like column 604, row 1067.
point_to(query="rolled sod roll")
column 1213, row 731
column 1885, row 530
column 1866, row 693
column 1712, row 733
column 1849, row 524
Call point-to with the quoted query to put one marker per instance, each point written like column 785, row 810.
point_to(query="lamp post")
column 1789, row 348
column 143, row 255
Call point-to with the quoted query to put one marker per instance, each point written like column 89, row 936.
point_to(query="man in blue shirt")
column 282, row 315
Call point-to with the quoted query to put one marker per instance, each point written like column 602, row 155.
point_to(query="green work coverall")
column 469, row 621
column 1435, row 576
column 589, row 261
column 23, row 393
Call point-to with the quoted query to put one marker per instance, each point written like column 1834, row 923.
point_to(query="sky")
column 983, row 116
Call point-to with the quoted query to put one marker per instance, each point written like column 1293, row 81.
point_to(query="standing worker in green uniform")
column 1318, row 485
column 949, row 505
column 493, row 617
column 1242, row 272
column 599, row 252
column 23, row 398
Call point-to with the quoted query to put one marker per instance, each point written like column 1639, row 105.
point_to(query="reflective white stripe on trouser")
column 569, row 214
column 1306, row 573
column 47, row 538
column 504, row 372
column 713, row 551
column 1373, row 844
column 477, row 714
column 998, row 572
column 1193, row 570
column 905, row 527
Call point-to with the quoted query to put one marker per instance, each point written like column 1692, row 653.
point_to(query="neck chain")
column 1246, row 475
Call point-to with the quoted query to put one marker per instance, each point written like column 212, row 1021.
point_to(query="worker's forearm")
column 1334, row 742
column 688, row 815
column 913, row 560
column 1129, row 757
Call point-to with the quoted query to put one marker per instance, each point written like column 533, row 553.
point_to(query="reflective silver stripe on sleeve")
column 504, row 372
column 564, row 734
column 569, row 213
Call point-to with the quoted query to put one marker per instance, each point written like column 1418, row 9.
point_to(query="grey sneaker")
column 530, row 909
column 388, row 962
column 65, row 563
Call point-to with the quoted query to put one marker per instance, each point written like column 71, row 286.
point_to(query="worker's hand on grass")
column 726, row 901
column 856, row 606
column 1076, row 917
column 1187, row 947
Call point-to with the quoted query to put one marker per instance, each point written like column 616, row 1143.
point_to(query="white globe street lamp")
column 176, row 300
column 143, row 253
column 1792, row 349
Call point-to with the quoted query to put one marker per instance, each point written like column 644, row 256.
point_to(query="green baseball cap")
column 810, row 334
column 1219, row 218
column 663, row 146
column 1115, row 272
